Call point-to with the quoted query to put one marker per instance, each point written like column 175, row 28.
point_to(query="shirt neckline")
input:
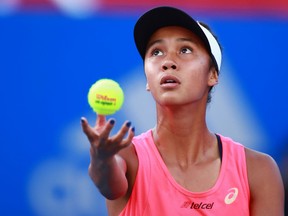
column 178, row 186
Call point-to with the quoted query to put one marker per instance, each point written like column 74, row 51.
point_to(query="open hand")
column 102, row 145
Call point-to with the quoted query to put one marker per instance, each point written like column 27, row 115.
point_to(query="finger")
column 84, row 124
column 100, row 121
column 131, row 134
column 122, row 132
column 107, row 129
column 126, row 142
column 87, row 129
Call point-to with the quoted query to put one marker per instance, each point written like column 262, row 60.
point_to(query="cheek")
column 148, row 69
column 203, row 70
column 204, row 62
column 198, row 70
column 198, row 78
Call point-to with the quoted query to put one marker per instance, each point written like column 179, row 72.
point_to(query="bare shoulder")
column 265, row 182
column 260, row 163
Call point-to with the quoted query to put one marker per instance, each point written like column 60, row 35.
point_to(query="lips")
column 169, row 79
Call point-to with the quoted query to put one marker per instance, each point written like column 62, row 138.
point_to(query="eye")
column 186, row 50
column 157, row 52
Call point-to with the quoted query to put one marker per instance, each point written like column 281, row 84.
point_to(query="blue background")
column 48, row 61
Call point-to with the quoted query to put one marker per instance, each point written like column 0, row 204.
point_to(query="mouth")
column 168, row 79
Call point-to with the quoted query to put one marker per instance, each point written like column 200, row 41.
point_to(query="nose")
column 169, row 61
column 168, row 64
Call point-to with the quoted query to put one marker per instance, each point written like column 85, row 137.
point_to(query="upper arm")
column 266, row 186
column 130, row 160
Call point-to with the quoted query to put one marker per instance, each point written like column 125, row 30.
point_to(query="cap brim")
column 160, row 17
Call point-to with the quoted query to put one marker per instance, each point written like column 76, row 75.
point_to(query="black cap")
column 159, row 17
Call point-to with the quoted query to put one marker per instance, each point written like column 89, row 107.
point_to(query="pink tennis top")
column 156, row 193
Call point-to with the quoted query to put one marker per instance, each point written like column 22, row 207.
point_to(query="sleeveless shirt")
column 156, row 193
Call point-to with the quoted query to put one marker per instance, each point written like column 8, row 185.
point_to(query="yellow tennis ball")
column 105, row 97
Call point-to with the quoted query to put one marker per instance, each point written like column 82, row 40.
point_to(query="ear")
column 147, row 87
column 213, row 77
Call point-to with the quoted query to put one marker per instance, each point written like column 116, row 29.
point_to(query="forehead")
column 174, row 32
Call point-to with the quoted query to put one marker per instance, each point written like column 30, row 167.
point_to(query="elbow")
column 113, row 194
column 112, row 185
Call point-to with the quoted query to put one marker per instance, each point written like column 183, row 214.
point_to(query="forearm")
column 109, row 176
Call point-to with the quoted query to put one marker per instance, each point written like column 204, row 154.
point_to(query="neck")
column 182, row 135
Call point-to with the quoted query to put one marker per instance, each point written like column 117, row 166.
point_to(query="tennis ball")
column 105, row 97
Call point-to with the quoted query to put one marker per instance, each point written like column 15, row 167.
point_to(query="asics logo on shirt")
column 231, row 196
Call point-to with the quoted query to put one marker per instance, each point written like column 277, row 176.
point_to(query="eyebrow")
column 161, row 41
column 186, row 39
column 154, row 42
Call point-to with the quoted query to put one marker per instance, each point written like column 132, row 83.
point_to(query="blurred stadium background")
column 51, row 51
